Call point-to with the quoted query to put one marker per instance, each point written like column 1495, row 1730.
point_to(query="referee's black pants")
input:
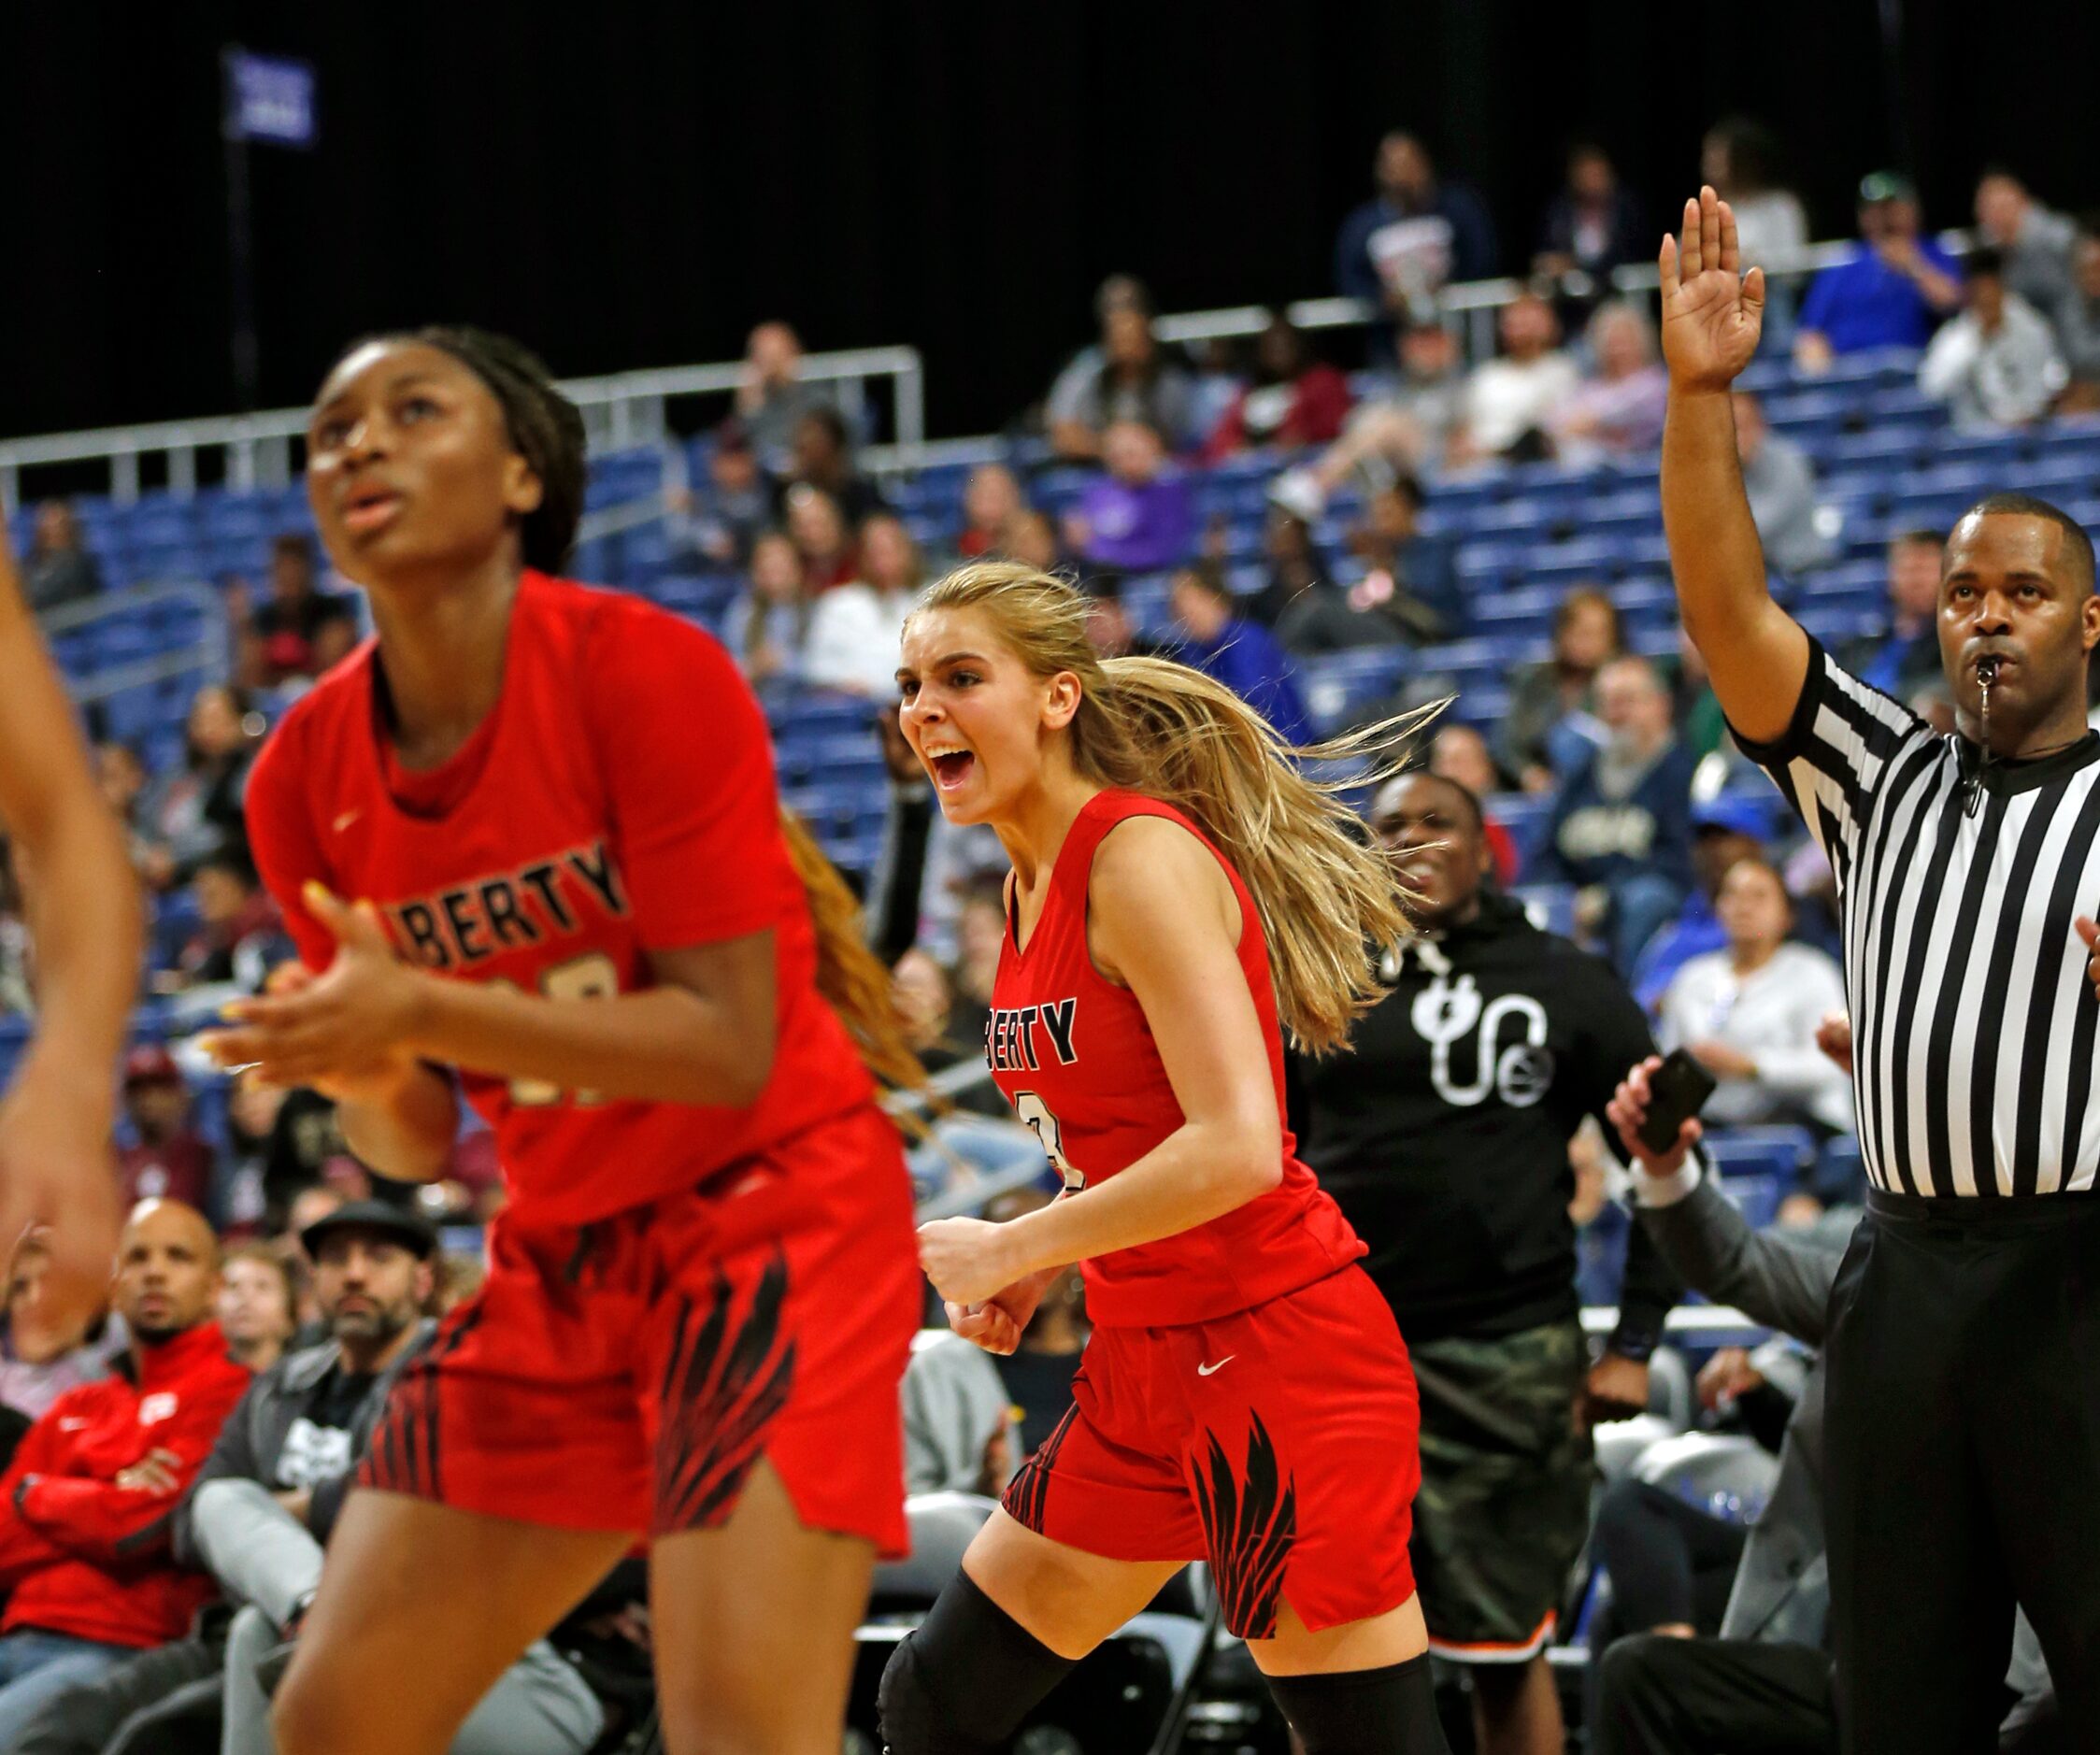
column 1963, row 1469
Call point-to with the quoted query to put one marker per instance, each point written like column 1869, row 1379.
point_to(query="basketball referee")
column 1962, row 1470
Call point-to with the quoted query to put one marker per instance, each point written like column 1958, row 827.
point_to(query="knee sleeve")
column 1389, row 1711
column 963, row 1681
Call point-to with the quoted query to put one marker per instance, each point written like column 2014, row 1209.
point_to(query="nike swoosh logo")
column 1203, row 1371
column 345, row 820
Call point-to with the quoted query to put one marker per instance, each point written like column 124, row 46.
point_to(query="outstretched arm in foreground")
column 1756, row 653
column 56, row 1166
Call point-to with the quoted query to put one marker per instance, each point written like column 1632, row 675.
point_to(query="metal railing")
column 211, row 655
column 620, row 412
column 1474, row 302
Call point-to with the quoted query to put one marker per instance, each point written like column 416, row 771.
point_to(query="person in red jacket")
column 85, row 1506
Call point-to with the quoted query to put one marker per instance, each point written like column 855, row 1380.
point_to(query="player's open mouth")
column 952, row 767
column 370, row 510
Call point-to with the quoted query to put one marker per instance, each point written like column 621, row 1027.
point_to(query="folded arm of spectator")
column 122, row 1520
column 24, row 1547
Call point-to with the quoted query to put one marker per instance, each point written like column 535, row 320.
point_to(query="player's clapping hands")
column 346, row 1032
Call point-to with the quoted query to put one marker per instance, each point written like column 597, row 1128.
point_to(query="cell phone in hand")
column 1677, row 1091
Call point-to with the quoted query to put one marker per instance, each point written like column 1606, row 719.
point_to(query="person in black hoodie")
column 1444, row 1136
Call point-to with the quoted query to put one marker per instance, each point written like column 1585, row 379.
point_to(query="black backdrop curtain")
column 634, row 184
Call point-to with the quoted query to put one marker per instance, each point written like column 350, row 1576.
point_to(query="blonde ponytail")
column 1324, row 892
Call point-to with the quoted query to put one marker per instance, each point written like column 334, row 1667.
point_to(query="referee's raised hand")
column 1628, row 1111
column 1712, row 312
column 2088, row 931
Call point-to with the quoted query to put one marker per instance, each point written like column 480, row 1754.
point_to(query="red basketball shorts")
column 1278, row 1443
column 629, row 1373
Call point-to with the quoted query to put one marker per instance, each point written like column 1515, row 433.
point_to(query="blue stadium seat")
column 1756, row 1194
column 1840, row 1176
column 1783, row 1152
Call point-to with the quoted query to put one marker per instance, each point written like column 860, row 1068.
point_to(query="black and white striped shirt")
column 1973, row 1018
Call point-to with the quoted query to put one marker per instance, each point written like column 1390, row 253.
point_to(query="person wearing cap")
column 1891, row 292
column 262, row 1506
column 1125, row 376
column 1723, row 830
column 168, row 1159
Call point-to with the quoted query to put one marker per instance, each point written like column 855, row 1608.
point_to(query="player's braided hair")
column 1144, row 724
column 850, row 975
column 545, row 427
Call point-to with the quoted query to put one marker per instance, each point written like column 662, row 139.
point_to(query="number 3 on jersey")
column 592, row 977
column 1033, row 1111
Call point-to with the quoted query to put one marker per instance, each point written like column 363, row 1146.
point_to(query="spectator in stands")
column 197, row 809
column 853, row 631
column 168, row 1156
column 716, row 525
column 981, row 932
column 1621, row 827
column 767, row 629
column 1416, row 234
column 772, row 398
column 257, row 1306
column 1510, row 400
column 1740, row 159
column 1905, row 657
column 2035, row 243
column 2077, row 328
column 1111, row 629
column 1241, row 654
column 268, row 1496
column 1125, row 376
column 44, row 1351
column 1998, row 365
column 1723, row 830
column 958, row 1430
column 1293, row 400
column 992, row 502
column 122, row 774
column 1593, row 225
column 84, row 1506
column 58, row 570
column 1748, row 1014
column 1619, row 408
column 1405, row 428
column 822, row 538
column 1038, row 1373
column 299, row 630
column 1460, row 753
column 824, row 458
column 1444, row 1137
column 1308, row 612
column 241, row 935
column 1782, row 484
column 1587, row 635
column 1136, row 517
column 1033, row 540
column 1410, row 575
column 1891, row 292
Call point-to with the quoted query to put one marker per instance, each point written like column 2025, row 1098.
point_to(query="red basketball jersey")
column 1074, row 1055
column 619, row 799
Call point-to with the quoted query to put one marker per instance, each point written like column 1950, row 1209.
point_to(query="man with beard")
column 263, row 1506
column 1444, row 1137
column 84, row 1506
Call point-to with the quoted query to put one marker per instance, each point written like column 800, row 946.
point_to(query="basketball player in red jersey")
column 56, row 1162
column 555, row 808
column 1245, row 1397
